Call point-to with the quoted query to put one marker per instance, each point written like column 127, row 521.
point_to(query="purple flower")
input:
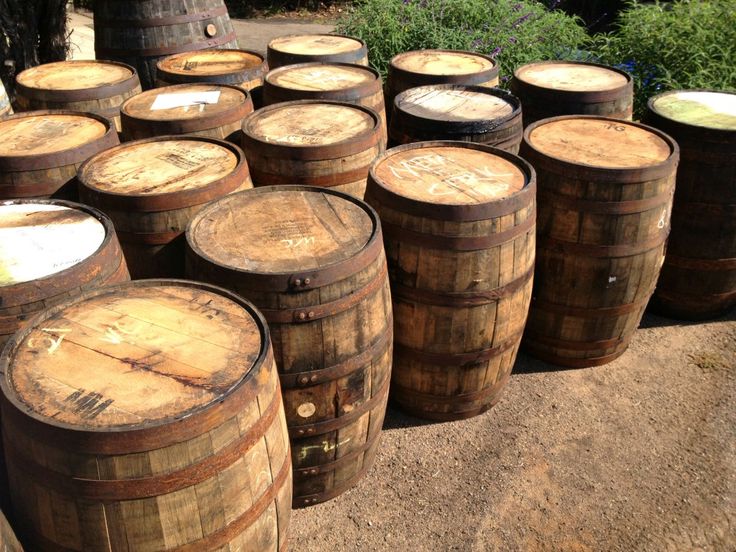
column 517, row 7
column 476, row 44
column 496, row 51
column 521, row 20
column 512, row 39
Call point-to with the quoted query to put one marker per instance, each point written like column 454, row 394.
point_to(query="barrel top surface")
column 140, row 106
column 320, row 77
column 454, row 104
column 281, row 231
column 161, row 166
column 140, row 354
column 210, row 62
column 309, row 124
column 39, row 239
column 573, row 77
column 599, row 142
column 74, row 75
column 48, row 133
column 438, row 62
column 698, row 108
column 449, row 175
column 317, row 44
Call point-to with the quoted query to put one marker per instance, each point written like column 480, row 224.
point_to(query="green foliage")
column 683, row 44
column 515, row 32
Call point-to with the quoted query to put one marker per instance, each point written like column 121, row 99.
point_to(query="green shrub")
column 684, row 44
column 515, row 32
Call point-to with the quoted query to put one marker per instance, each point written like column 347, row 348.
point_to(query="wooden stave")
column 410, row 363
column 5, row 107
column 314, row 482
column 136, row 438
column 8, row 541
column 702, row 243
column 612, row 323
column 277, row 58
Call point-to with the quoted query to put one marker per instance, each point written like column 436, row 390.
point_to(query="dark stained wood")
column 312, row 261
column 324, row 48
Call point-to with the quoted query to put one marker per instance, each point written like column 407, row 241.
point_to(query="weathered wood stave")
column 328, row 48
column 8, row 541
column 5, row 107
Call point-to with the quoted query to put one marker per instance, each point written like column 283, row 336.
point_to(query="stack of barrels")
column 326, row 273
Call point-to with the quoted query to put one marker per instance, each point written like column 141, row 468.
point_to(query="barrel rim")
column 294, row 280
column 308, row 152
column 351, row 56
column 677, row 126
column 161, row 71
column 40, row 161
column 134, row 433
column 430, row 78
column 455, row 212
column 341, row 94
column 119, row 87
column 168, row 200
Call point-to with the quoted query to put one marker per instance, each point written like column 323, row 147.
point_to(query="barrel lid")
column 142, row 106
column 455, row 103
column 210, row 62
column 315, row 44
column 321, row 76
column 43, row 133
column 41, row 239
column 442, row 62
column 74, row 75
column 701, row 108
column 132, row 356
column 282, row 229
column 572, row 76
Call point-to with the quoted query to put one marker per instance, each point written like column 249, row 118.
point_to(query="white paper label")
column 184, row 99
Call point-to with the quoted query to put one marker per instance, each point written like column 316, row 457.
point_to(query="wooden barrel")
column 459, row 221
column 552, row 88
column 92, row 86
column 488, row 116
column 605, row 198
column 142, row 32
column 698, row 279
column 8, row 542
column 312, row 142
column 5, row 108
column 152, row 188
column 312, row 261
column 422, row 67
column 324, row 48
column 40, row 151
column 342, row 82
column 146, row 416
column 209, row 110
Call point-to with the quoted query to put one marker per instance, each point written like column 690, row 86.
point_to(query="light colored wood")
column 8, row 541
column 315, row 44
column 73, row 75
column 435, row 62
column 600, row 142
column 571, row 76
column 454, row 105
column 211, row 62
column 321, row 77
column 41, row 134
column 140, row 106
column 699, row 108
column 5, row 108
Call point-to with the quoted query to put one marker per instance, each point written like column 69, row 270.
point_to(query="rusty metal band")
column 552, row 200
column 158, row 238
column 160, row 21
column 457, row 243
column 415, row 78
column 350, row 93
column 323, row 181
column 399, row 392
column 471, row 299
column 298, row 380
column 700, row 264
column 318, row 428
column 102, row 51
column 328, row 467
column 456, row 359
column 603, row 251
column 316, row 312
column 536, row 337
column 677, row 297
column 100, row 92
column 589, row 312
column 146, row 487
column 572, row 362
column 712, row 209
column 120, row 275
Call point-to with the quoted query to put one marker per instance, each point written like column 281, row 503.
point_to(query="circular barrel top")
column 571, row 76
column 281, row 229
column 320, row 76
column 39, row 133
column 159, row 166
column 138, row 354
column 74, row 75
column 442, row 62
column 444, row 173
column 210, row 62
column 41, row 239
column 317, row 44
column 454, row 103
column 142, row 106
column 701, row 108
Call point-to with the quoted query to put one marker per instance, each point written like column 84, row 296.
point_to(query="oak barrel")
column 141, row 32
column 698, row 279
column 313, row 142
column 312, row 261
column 325, row 48
column 209, row 110
column 422, row 67
column 92, row 86
column 478, row 114
column 605, row 198
column 40, row 151
column 553, row 88
column 343, row 82
column 5, row 108
column 459, row 221
column 152, row 188
column 8, row 541
column 146, row 416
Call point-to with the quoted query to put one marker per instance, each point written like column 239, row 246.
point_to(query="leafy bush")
column 514, row 32
column 684, row 44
